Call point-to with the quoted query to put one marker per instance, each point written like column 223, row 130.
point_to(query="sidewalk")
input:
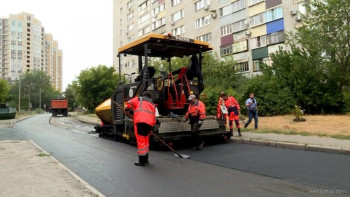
column 309, row 143
column 9, row 123
column 27, row 170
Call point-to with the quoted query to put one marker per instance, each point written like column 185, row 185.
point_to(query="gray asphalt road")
column 108, row 166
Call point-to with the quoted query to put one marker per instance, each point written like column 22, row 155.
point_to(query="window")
column 239, row 26
column 131, row 39
column 257, row 19
column 226, row 50
column 175, row 2
column 243, row 66
column 275, row 38
column 273, row 14
column 130, row 64
column 121, row 11
column 130, row 3
column 226, row 30
column 258, row 42
column 301, row 8
column 143, row 5
column 201, row 4
column 158, row 9
column 121, row 21
column 202, row 21
column 233, row 7
column 130, row 28
column 226, row 10
column 158, row 23
column 240, row 35
column 178, row 15
column 252, row 2
column 130, row 15
column 144, row 31
column 239, row 46
column 178, row 31
column 205, row 37
column 144, row 18
column 257, row 64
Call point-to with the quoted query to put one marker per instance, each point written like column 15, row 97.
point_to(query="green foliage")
column 95, row 85
column 297, row 112
column 34, row 85
column 70, row 94
column 272, row 97
column 4, row 90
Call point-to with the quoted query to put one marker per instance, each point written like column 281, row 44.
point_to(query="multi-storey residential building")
column 23, row 48
column 248, row 30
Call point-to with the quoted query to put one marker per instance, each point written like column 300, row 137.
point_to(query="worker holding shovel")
column 144, row 120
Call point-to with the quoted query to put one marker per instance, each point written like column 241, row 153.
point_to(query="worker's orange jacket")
column 231, row 103
column 196, row 111
column 144, row 110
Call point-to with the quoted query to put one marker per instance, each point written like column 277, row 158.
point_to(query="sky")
column 82, row 28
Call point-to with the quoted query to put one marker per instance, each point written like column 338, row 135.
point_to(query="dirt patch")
column 329, row 125
column 27, row 171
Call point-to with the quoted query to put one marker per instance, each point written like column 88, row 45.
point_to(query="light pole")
column 19, row 94
column 40, row 98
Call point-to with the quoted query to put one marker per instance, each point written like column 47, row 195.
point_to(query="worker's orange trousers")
column 234, row 117
column 142, row 143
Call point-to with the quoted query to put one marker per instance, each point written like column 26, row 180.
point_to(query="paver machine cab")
column 169, row 92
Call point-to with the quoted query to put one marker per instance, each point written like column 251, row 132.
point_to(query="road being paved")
column 218, row 170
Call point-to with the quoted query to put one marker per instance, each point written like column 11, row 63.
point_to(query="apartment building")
column 248, row 30
column 23, row 48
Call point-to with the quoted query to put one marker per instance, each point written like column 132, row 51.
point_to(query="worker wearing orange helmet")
column 144, row 120
column 233, row 111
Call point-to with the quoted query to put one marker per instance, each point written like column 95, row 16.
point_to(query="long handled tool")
column 162, row 141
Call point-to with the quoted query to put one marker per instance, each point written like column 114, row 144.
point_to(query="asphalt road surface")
column 217, row 170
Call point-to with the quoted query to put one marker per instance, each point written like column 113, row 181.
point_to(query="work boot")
column 245, row 125
column 231, row 132
column 143, row 161
column 239, row 132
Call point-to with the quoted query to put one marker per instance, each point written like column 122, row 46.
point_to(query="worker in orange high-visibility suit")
column 219, row 114
column 144, row 120
column 196, row 114
column 233, row 112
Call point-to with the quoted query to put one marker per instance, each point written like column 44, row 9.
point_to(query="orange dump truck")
column 59, row 107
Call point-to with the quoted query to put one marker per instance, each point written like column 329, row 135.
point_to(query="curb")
column 84, row 183
column 290, row 145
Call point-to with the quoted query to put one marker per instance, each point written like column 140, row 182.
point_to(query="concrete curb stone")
column 324, row 149
column 291, row 145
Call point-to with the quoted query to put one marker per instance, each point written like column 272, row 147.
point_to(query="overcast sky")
column 83, row 29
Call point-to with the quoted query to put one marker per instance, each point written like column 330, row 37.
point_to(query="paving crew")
column 196, row 115
column 233, row 112
column 144, row 120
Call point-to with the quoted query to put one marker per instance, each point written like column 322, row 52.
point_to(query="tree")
column 326, row 36
column 35, row 90
column 95, row 85
column 71, row 95
column 4, row 90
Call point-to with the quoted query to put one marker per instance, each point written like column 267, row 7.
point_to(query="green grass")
column 42, row 154
column 302, row 133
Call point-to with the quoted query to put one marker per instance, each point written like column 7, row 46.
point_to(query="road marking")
column 93, row 135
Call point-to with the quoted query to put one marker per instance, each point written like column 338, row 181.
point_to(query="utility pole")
column 19, row 95
column 40, row 99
